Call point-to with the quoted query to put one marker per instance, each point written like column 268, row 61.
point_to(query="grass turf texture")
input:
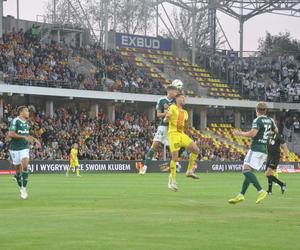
column 127, row 211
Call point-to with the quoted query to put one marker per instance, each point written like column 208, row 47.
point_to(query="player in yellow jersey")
column 74, row 160
column 178, row 119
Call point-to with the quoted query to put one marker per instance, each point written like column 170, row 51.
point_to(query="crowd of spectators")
column 208, row 152
column 289, row 123
column 24, row 59
column 128, row 138
column 274, row 79
column 125, row 76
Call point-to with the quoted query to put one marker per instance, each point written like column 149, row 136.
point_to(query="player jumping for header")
column 161, row 135
column 178, row 120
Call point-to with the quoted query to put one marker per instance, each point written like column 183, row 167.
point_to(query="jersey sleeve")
column 256, row 124
column 13, row 125
column 159, row 106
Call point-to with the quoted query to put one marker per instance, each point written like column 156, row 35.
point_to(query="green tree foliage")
column 283, row 43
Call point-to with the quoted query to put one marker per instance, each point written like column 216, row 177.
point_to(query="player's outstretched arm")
column 252, row 133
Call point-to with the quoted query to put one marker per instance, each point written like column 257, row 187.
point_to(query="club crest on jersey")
column 23, row 131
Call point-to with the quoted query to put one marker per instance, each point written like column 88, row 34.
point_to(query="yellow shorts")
column 74, row 164
column 178, row 140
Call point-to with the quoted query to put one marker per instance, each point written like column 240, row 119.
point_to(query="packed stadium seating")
column 274, row 79
column 26, row 61
column 127, row 139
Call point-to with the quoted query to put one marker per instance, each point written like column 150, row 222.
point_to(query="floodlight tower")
column 243, row 10
column 212, row 24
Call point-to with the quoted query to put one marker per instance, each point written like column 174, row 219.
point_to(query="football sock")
column 149, row 157
column 68, row 169
column 245, row 186
column 274, row 179
column 77, row 170
column 25, row 178
column 252, row 179
column 173, row 170
column 19, row 179
column 192, row 160
column 269, row 184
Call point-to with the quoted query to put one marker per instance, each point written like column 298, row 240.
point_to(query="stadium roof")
column 237, row 8
column 242, row 10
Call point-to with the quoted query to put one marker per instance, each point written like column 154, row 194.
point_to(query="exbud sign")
column 143, row 42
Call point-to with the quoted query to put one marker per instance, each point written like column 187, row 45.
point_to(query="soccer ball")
column 177, row 83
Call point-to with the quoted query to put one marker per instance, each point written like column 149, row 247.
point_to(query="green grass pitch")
column 127, row 211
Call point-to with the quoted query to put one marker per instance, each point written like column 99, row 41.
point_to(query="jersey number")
column 266, row 133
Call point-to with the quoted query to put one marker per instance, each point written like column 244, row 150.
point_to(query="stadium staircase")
column 167, row 67
column 172, row 72
column 139, row 60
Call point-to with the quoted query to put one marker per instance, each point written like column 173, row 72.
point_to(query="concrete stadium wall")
column 102, row 95
column 10, row 22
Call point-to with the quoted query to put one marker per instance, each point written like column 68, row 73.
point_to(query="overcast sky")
column 254, row 28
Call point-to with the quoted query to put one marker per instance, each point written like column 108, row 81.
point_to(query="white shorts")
column 255, row 160
column 161, row 135
column 18, row 155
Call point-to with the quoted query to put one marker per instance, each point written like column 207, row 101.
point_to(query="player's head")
column 180, row 99
column 23, row 112
column 172, row 91
column 261, row 108
column 75, row 145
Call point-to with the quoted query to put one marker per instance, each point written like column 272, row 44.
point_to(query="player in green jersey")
column 161, row 135
column 19, row 147
column 257, row 155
